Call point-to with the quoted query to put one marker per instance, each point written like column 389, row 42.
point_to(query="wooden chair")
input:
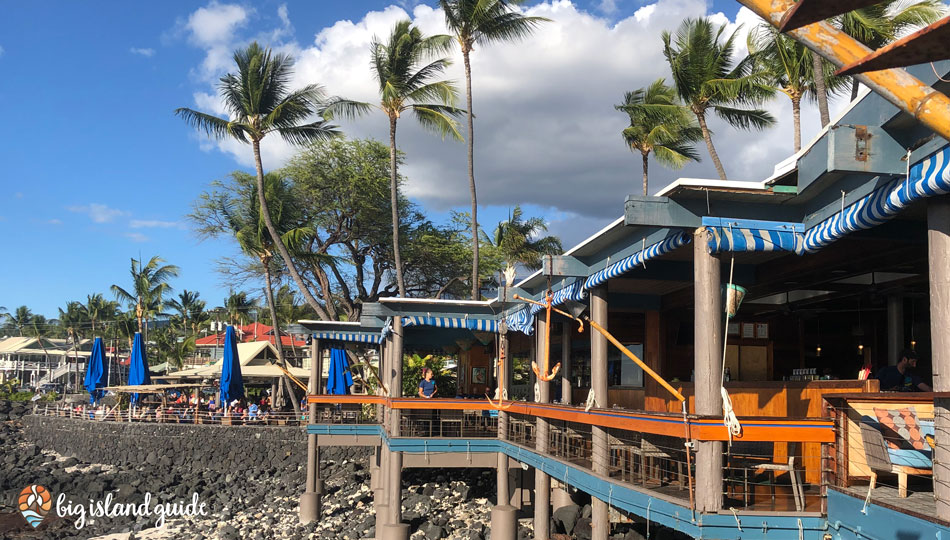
column 451, row 418
column 879, row 460
column 755, row 456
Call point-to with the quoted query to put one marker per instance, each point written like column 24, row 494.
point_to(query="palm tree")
column 149, row 286
column 238, row 307
column 190, row 309
column 659, row 124
column 705, row 78
column 407, row 86
column 259, row 104
column 98, row 308
column 520, row 242
column 482, row 21
column 20, row 318
column 880, row 24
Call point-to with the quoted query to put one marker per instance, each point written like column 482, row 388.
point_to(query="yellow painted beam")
column 930, row 107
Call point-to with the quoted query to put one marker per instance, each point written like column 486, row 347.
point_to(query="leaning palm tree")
column 406, row 85
column 705, row 78
column 482, row 21
column 519, row 241
column 259, row 103
column 877, row 25
column 149, row 286
column 20, row 318
column 661, row 125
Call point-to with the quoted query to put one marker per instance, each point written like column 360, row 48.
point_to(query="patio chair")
column 756, row 456
column 450, row 418
column 899, row 461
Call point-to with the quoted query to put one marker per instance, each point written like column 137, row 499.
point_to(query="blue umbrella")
column 339, row 378
column 97, row 372
column 232, row 383
column 138, row 367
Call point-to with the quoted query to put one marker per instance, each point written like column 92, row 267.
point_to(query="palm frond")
column 438, row 118
column 745, row 118
column 213, row 126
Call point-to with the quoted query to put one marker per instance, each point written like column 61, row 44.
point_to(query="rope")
column 736, row 515
column 939, row 78
column 729, row 418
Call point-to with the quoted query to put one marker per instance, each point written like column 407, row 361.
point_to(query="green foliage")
column 445, row 380
column 879, row 24
column 149, row 286
column 519, row 241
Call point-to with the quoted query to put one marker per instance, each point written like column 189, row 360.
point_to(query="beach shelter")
column 339, row 378
column 232, row 382
column 97, row 372
column 138, row 367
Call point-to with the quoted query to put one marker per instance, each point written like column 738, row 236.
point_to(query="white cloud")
column 54, row 221
column 609, row 7
column 98, row 213
column 148, row 53
column 216, row 23
column 136, row 237
column 154, row 223
column 546, row 131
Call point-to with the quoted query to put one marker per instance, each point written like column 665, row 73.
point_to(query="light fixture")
column 913, row 323
column 818, row 350
column 860, row 348
column 818, row 346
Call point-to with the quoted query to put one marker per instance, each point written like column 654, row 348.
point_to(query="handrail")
column 704, row 428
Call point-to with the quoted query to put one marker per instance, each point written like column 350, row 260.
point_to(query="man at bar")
column 901, row 378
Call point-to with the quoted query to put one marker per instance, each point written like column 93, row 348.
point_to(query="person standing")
column 428, row 389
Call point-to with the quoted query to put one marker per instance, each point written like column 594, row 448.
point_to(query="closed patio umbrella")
column 97, row 372
column 339, row 378
column 138, row 367
column 232, row 383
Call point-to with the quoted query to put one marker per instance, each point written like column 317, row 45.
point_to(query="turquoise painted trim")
column 781, row 226
column 847, row 521
column 344, row 429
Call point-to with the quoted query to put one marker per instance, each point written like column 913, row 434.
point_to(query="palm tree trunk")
column 701, row 117
column 821, row 92
column 854, row 88
column 646, row 165
column 275, row 236
column 269, row 297
column 797, row 122
column 471, row 169
column 394, row 197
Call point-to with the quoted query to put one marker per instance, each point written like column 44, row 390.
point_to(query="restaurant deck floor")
column 919, row 501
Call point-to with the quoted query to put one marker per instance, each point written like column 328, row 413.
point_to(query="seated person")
column 253, row 411
column 901, row 378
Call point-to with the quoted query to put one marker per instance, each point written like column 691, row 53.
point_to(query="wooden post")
column 394, row 528
column 600, row 518
column 566, row 328
column 395, row 370
column 895, row 329
column 542, row 482
column 707, row 301
column 938, row 240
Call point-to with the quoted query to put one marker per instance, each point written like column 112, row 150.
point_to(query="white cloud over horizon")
column 98, row 213
column 546, row 132
column 146, row 52
column 154, row 223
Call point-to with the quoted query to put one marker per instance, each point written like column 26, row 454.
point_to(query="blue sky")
column 97, row 170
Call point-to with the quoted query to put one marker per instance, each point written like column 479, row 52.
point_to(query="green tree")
column 149, row 286
column 259, row 103
column 21, row 318
column 238, row 307
column 877, row 25
column 705, row 78
column 445, row 379
column 473, row 22
column 661, row 125
column 406, row 85
column 98, row 308
column 520, row 241
column 191, row 310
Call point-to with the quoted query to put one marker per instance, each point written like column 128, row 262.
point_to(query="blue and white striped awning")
column 574, row 291
column 929, row 178
column 521, row 321
column 727, row 234
column 629, row 263
column 477, row 325
column 348, row 336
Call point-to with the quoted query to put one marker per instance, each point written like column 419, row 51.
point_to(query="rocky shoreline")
column 256, row 503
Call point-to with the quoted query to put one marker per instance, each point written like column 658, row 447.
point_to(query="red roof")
column 248, row 333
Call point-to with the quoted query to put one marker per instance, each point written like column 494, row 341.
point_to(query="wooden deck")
column 918, row 503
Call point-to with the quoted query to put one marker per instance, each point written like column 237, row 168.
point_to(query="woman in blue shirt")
column 427, row 387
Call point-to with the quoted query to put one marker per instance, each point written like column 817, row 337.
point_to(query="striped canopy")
column 744, row 235
column 574, row 291
column 929, row 178
column 521, row 321
column 629, row 263
column 354, row 337
column 482, row 325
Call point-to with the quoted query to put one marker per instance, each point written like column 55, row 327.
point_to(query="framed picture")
column 748, row 330
column 762, row 330
column 479, row 375
column 733, row 329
